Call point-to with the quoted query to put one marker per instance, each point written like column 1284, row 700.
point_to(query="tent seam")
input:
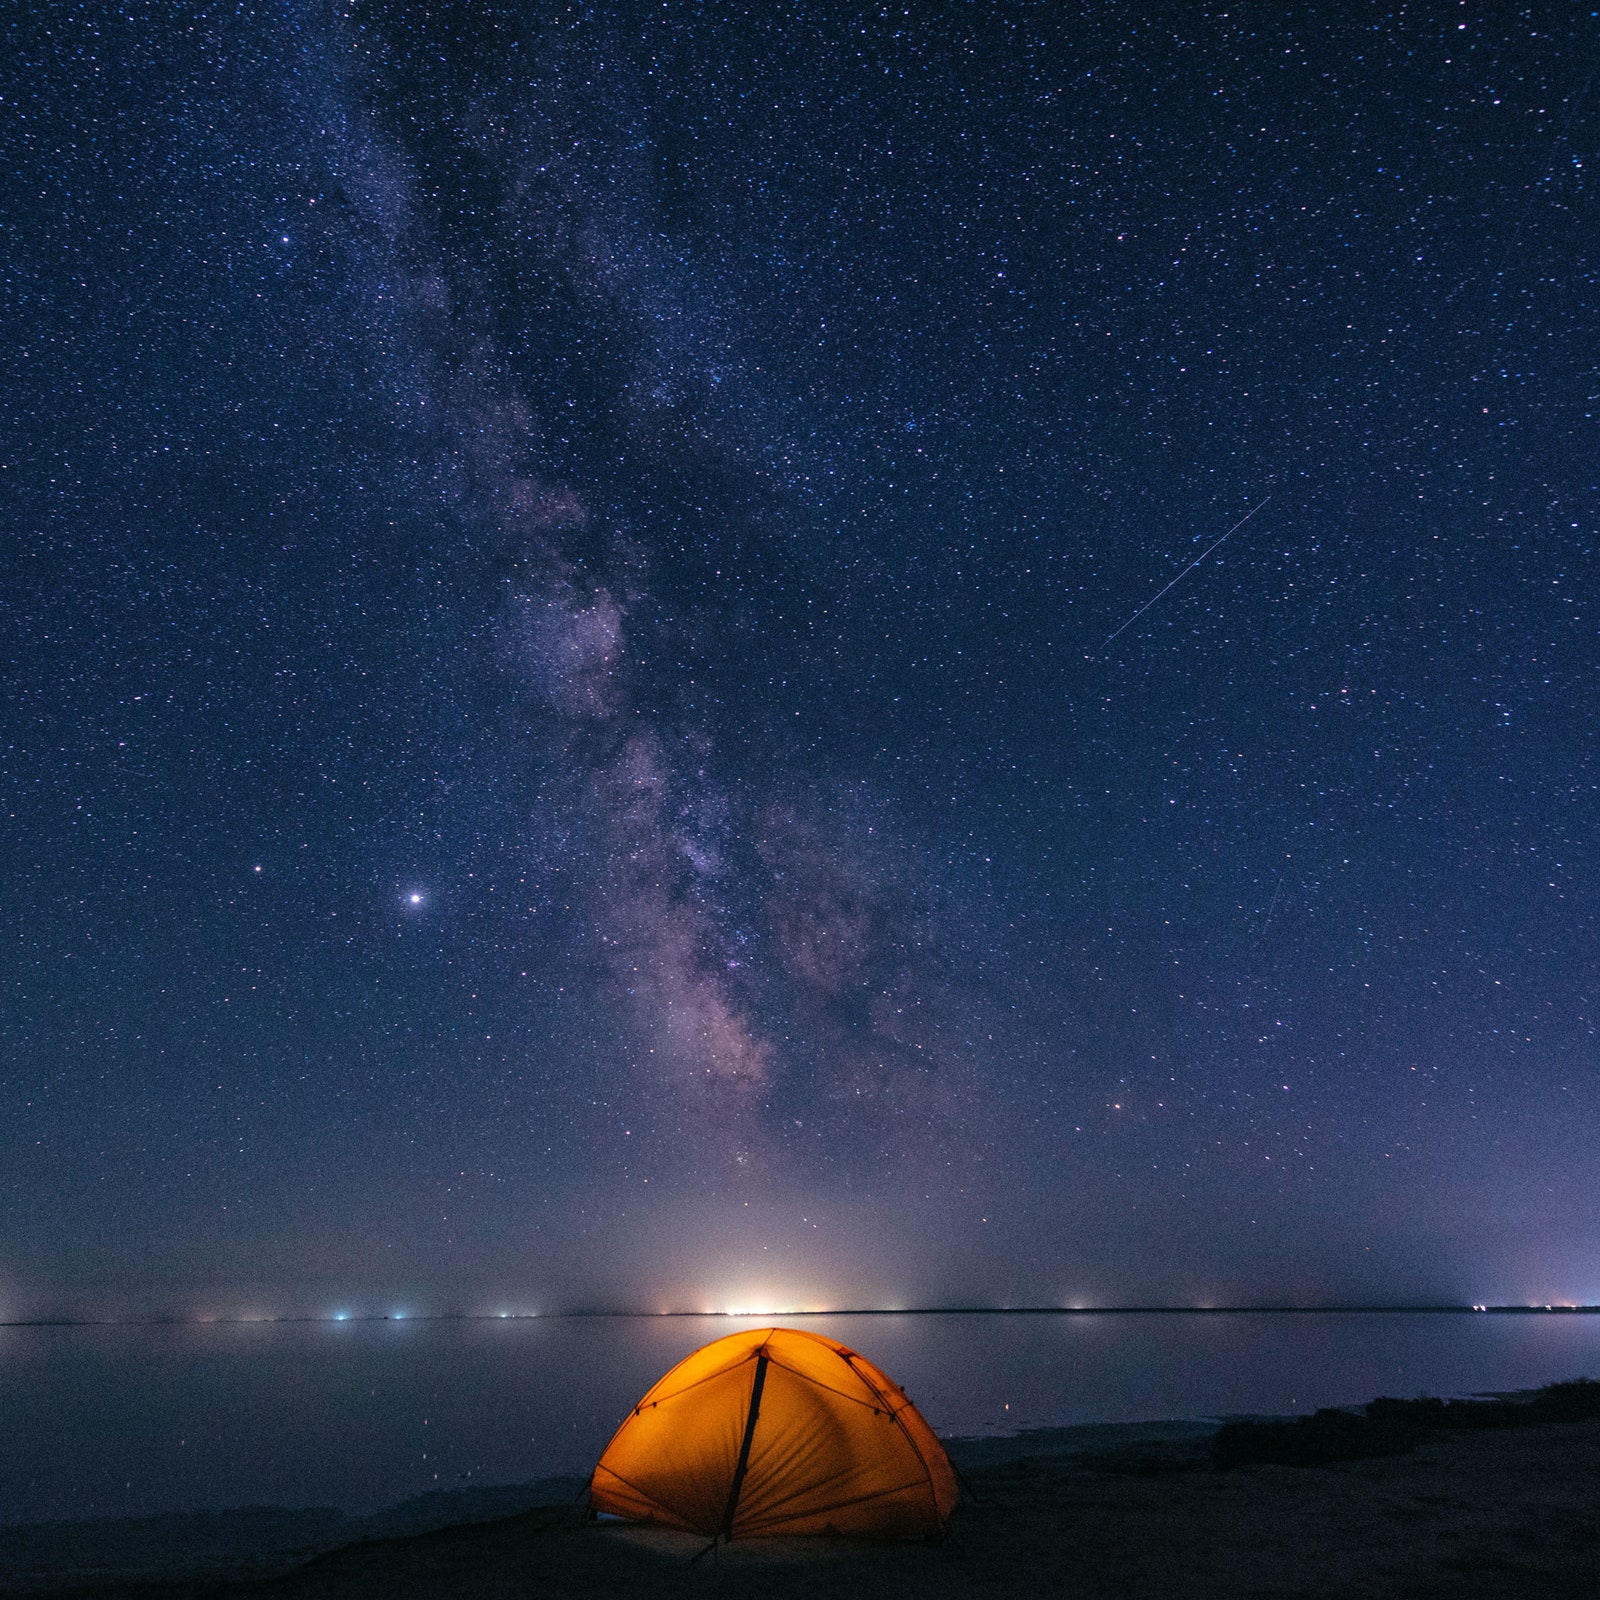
column 647, row 1495
column 916, row 1449
column 805, row 1377
column 710, row 1377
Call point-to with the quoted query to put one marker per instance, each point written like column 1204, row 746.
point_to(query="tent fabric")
column 831, row 1445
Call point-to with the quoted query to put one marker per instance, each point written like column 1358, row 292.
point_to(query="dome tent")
column 777, row 1431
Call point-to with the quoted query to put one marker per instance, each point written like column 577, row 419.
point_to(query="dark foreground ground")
column 1503, row 1514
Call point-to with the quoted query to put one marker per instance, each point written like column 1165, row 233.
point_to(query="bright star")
column 414, row 899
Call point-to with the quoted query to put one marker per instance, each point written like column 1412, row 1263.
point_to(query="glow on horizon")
column 768, row 1310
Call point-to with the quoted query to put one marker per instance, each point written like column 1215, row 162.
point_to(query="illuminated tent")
column 775, row 1431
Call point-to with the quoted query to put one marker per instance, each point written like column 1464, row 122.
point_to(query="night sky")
column 579, row 728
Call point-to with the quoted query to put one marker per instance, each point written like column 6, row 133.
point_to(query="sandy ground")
column 1506, row 1514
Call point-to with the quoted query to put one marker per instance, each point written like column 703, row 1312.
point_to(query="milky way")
column 767, row 963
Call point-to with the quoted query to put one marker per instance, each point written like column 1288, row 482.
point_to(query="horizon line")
column 599, row 1313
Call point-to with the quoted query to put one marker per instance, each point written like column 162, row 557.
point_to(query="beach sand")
column 1481, row 1515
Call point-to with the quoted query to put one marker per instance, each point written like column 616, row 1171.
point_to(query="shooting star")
column 1187, row 570
column 1276, row 891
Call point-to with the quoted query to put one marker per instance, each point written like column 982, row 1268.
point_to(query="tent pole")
column 744, row 1448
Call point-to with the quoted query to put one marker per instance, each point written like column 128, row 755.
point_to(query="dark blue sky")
column 567, row 734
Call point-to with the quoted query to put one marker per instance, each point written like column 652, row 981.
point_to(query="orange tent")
column 777, row 1431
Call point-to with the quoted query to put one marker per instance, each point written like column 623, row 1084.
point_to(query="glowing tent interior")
column 777, row 1431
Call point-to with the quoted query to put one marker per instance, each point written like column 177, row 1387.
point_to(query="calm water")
column 360, row 1415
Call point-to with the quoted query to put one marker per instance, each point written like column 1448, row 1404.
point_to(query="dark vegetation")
column 1313, row 1441
column 1388, row 1427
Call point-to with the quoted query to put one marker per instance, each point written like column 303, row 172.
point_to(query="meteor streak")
column 1187, row 570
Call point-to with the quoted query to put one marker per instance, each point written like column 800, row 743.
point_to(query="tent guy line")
column 1187, row 570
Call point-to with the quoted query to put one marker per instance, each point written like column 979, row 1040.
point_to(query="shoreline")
column 268, row 1540
column 1115, row 1508
column 241, row 1543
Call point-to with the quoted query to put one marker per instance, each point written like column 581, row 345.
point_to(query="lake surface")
column 134, row 1420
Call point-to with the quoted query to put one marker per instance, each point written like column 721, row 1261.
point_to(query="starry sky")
column 621, row 687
